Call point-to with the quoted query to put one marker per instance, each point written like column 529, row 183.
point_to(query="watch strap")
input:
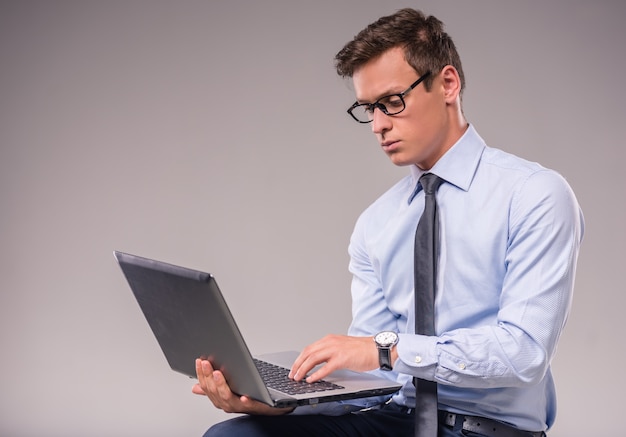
column 384, row 358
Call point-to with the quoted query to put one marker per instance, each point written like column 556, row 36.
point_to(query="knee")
column 241, row 427
column 217, row 430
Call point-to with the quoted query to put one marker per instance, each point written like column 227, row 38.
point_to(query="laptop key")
column 277, row 378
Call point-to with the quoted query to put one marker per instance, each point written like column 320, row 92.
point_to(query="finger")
column 297, row 363
column 200, row 375
column 222, row 389
column 209, row 381
column 310, row 357
column 331, row 347
column 223, row 397
column 310, row 363
column 252, row 406
column 322, row 372
column 204, row 371
column 308, row 354
column 299, row 369
column 207, row 370
column 197, row 389
column 255, row 407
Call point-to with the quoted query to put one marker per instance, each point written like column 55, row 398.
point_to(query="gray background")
column 213, row 135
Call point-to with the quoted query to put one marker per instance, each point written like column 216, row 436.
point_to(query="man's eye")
column 394, row 102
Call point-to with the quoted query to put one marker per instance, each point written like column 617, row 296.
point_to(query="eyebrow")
column 385, row 94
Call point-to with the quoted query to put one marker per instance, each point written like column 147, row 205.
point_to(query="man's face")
column 421, row 133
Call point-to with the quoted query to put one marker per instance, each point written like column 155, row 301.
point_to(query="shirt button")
column 462, row 366
column 418, row 359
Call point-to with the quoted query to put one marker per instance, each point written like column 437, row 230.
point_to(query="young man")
column 509, row 236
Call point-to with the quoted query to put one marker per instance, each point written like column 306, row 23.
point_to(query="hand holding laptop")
column 212, row 384
column 334, row 352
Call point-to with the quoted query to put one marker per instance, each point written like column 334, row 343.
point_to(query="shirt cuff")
column 417, row 356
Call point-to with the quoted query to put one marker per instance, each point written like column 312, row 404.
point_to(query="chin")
column 399, row 161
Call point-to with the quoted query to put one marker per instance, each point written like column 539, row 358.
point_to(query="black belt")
column 484, row 426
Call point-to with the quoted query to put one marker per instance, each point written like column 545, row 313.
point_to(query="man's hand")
column 337, row 352
column 211, row 383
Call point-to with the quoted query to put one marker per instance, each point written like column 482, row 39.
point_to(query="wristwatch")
column 385, row 341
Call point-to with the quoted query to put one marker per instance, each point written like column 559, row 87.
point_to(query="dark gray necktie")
column 426, row 252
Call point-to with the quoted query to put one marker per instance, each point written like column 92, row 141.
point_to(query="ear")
column 451, row 84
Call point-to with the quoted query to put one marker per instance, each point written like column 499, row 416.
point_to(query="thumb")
column 196, row 389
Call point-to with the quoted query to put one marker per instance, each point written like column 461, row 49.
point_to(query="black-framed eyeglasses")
column 390, row 105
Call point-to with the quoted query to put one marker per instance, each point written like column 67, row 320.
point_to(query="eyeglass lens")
column 390, row 105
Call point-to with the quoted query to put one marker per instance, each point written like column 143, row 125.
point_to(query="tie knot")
column 430, row 182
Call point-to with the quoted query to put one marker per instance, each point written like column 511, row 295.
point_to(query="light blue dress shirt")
column 510, row 232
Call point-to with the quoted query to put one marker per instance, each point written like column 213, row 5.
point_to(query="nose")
column 381, row 122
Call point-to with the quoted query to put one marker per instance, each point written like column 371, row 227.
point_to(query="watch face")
column 386, row 338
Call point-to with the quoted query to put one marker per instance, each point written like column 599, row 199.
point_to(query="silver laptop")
column 190, row 319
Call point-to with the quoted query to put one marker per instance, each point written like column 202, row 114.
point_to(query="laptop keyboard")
column 277, row 378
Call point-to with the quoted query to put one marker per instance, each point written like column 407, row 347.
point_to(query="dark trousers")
column 391, row 420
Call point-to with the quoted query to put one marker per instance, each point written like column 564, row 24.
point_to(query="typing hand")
column 211, row 383
column 337, row 352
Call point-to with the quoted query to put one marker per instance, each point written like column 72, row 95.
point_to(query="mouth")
column 389, row 146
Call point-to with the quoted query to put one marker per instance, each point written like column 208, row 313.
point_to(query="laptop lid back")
column 190, row 319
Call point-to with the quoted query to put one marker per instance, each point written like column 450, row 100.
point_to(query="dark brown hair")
column 426, row 46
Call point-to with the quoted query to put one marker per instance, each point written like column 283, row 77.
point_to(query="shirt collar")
column 457, row 166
